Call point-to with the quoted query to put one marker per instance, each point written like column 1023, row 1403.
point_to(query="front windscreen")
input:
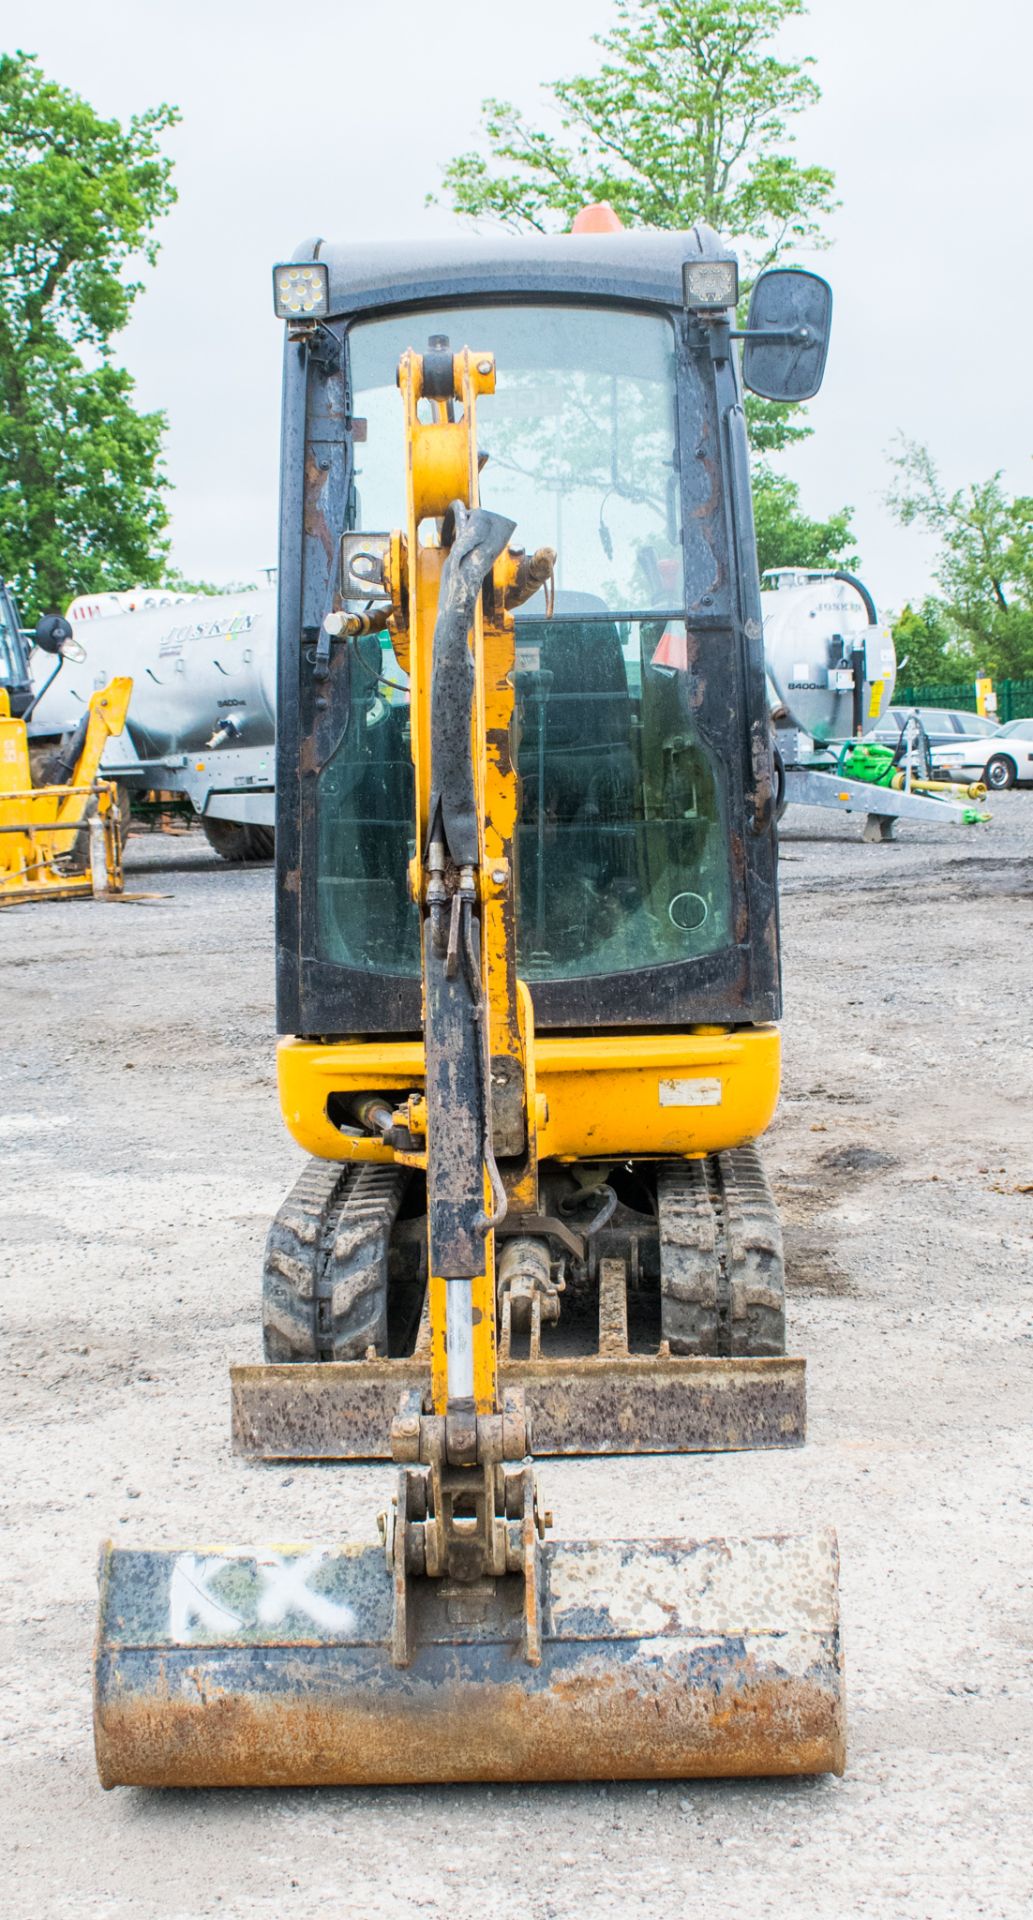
column 578, row 440
column 622, row 845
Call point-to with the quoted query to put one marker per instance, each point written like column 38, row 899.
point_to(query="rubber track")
column 722, row 1279
column 325, row 1278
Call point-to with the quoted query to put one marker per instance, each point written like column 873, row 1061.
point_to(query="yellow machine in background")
column 41, row 827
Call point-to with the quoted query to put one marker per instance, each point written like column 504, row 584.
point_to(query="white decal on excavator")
column 190, row 1602
column 285, row 1591
column 282, row 1589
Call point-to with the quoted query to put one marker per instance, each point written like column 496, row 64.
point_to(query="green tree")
column 985, row 564
column 788, row 538
column 82, row 486
column 687, row 118
column 928, row 647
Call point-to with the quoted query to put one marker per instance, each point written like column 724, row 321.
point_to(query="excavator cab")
column 645, row 856
column 527, row 980
column 15, row 679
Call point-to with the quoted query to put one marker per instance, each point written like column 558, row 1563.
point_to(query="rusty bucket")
column 660, row 1659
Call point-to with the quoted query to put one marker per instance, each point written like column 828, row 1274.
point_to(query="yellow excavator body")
column 599, row 1095
column 536, row 1224
column 40, row 825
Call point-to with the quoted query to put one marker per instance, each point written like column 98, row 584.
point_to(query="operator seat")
column 577, row 700
column 577, row 768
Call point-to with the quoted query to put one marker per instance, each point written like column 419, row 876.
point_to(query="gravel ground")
column 138, row 1105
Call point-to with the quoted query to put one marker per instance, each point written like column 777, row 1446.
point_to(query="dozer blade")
column 637, row 1403
column 659, row 1660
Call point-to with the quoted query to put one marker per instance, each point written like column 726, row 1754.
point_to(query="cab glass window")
column 578, row 440
column 623, row 838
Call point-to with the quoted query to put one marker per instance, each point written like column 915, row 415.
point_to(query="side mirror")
column 54, row 635
column 787, row 334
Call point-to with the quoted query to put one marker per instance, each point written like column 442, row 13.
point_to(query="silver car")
column 943, row 726
column 1004, row 759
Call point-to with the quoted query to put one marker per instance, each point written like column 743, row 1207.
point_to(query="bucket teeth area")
column 660, row 1659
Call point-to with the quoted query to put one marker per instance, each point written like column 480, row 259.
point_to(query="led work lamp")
column 301, row 293
column 710, row 285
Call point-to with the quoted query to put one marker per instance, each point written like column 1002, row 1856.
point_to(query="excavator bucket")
column 660, row 1659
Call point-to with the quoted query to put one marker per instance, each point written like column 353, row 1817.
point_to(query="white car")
column 1002, row 759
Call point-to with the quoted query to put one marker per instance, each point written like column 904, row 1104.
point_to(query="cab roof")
column 641, row 264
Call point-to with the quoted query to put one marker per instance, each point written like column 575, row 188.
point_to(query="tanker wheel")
column 41, row 753
column 325, row 1278
column 79, row 858
column 124, row 798
column 236, row 841
column 263, row 843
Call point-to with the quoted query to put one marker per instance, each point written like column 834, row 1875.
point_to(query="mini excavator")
column 528, row 975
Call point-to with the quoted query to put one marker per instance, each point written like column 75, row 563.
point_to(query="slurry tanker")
column 202, row 720
column 203, row 713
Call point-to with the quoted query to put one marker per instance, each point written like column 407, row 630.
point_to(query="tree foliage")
column 81, row 479
column 687, row 118
column 984, row 570
column 788, row 538
column 928, row 647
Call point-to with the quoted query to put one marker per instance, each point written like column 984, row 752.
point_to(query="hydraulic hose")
column 859, row 587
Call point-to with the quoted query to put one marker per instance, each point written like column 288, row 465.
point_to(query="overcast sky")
column 335, row 117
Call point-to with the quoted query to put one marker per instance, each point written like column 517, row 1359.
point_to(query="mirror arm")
column 720, row 334
column 799, row 336
column 48, row 682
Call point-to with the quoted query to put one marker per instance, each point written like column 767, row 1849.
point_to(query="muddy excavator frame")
column 43, row 826
column 465, row 1646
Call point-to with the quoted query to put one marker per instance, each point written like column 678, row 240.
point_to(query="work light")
column 301, row 293
column 710, row 285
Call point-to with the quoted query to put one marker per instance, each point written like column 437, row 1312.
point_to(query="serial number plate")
column 690, row 1093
